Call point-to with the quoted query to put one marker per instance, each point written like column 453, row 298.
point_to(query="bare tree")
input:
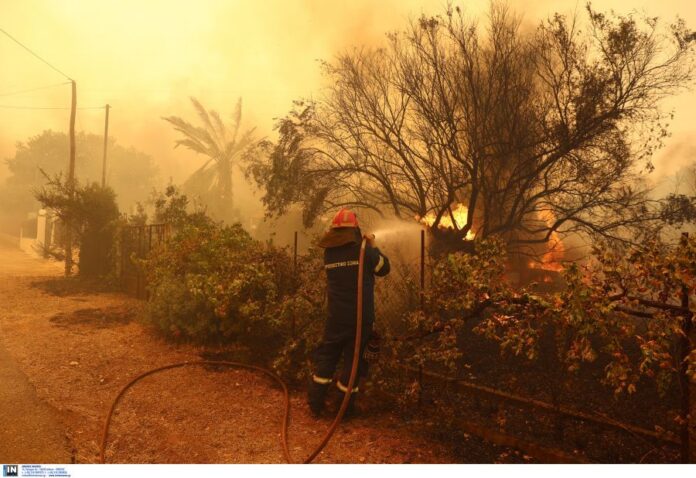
column 223, row 146
column 537, row 133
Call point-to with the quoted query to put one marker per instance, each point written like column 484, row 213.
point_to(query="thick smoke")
column 147, row 58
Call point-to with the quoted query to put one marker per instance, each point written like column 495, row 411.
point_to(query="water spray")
column 393, row 228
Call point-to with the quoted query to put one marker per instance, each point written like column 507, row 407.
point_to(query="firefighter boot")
column 316, row 397
column 351, row 411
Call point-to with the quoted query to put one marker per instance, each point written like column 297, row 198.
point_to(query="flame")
column 551, row 259
column 460, row 213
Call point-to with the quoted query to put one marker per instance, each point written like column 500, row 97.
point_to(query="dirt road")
column 30, row 429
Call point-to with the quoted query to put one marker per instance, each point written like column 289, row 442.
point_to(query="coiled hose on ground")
column 274, row 376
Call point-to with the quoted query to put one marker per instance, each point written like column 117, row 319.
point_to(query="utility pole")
column 71, row 180
column 106, row 140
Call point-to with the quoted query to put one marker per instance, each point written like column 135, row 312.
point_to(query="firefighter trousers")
column 339, row 341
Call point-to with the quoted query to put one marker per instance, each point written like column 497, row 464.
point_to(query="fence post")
column 139, row 291
column 422, row 267
column 684, row 380
column 294, row 273
column 123, row 260
column 146, row 292
column 422, row 306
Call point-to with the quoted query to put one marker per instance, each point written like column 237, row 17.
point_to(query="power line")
column 18, row 107
column 34, row 89
column 35, row 54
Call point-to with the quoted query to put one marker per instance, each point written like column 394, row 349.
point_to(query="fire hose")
column 264, row 371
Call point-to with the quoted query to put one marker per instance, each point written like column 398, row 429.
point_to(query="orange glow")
column 555, row 250
column 460, row 213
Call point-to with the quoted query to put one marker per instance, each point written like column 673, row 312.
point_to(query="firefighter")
column 341, row 255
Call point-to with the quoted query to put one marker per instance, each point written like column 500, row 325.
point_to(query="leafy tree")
column 139, row 218
column 222, row 145
column 172, row 207
column 536, row 133
column 93, row 214
column 130, row 173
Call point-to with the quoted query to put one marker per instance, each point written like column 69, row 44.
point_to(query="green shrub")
column 215, row 284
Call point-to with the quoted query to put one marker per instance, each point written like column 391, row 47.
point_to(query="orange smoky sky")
column 146, row 57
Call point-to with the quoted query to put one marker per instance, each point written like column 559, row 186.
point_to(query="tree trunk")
column 225, row 188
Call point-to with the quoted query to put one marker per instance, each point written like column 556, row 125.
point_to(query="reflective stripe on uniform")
column 334, row 265
column 380, row 264
column 343, row 388
column 321, row 380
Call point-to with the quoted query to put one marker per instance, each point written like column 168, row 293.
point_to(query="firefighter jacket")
column 341, row 265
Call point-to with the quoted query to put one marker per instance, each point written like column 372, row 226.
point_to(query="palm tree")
column 223, row 145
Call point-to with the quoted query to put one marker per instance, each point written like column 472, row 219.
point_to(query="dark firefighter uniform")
column 341, row 256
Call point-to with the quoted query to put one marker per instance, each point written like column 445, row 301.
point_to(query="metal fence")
column 136, row 242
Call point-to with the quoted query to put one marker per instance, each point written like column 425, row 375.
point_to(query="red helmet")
column 344, row 218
